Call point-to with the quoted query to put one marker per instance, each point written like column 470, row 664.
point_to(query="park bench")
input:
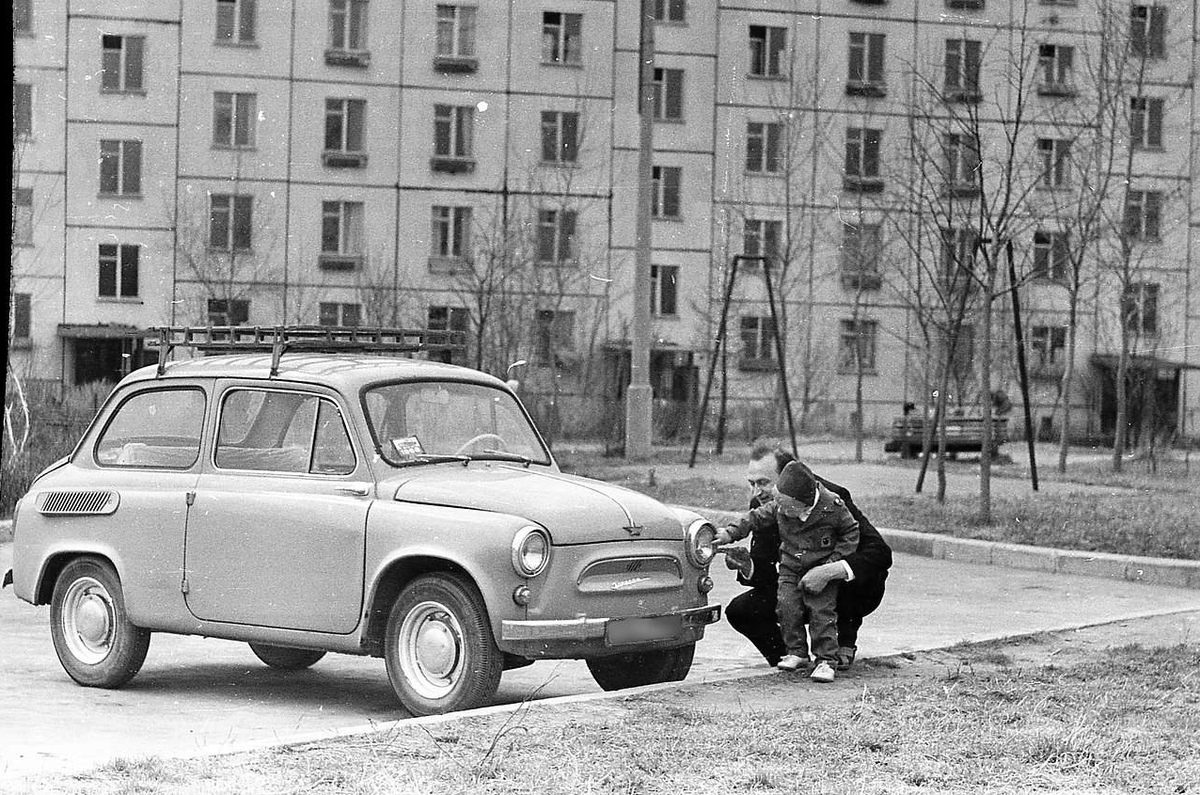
column 964, row 434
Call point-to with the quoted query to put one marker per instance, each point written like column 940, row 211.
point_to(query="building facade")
column 473, row 165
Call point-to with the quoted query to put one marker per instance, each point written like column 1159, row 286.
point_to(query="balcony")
column 339, row 57
column 335, row 158
column 339, row 262
column 455, row 64
column 861, row 280
column 865, row 88
column 965, row 95
column 449, row 265
column 447, row 164
column 862, row 184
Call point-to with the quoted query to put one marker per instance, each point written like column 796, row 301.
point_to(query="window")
column 451, row 232
column 962, row 69
column 555, row 332
column 234, row 119
column 1056, row 69
column 758, row 343
column 1139, row 308
column 118, row 271
column 560, row 136
column 235, row 21
column 453, row 127
column 229, row 222
column 1143, row 212
column 856, row 346
column 341, row 235
column 345, row 127
column 670, row 10
column 120, row 168
column 1148, row 31
column 335, row 314
column 862, row 159
column 144, row 425
column 348, row 24
column 1051, row 255
column 664, row 286
column 455, row 46
column 666, row 185
column 1054, row 159
column 761, row 239
column 22, row 110
column 22, row 315
column 1145, row 122
column 1047, row 347
column 962, row 162
column 766, row 50
column 866, row 64
column 228, row 311
column 556, row 236
column 762, row 147
column 668, row 94
column 280, row 431
column 22, row 17
column 562, row 39
column 958, row 264
column 22, row 216
column 449, row 318
column 121, row 63
column 862, row 249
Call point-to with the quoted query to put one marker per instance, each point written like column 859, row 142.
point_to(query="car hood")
column 575, row 510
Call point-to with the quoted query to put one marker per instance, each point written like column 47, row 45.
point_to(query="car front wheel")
column 642, row 668
column 93, row 637
column 440, row 651
column 286, row 658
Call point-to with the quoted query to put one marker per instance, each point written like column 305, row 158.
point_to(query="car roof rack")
column 322, row 339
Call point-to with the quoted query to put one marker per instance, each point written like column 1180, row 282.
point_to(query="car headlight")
column 530, row 551
column 701, row 542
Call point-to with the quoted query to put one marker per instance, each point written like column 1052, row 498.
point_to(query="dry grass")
column 977, row 719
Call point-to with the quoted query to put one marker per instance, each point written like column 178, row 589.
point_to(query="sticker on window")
column 408, row 448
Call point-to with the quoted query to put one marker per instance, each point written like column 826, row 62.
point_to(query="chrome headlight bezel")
column 700, row 543
column 530, row 534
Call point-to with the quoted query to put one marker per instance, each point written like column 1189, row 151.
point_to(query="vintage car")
column 307, row 502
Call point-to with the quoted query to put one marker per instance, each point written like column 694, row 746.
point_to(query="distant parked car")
column 308, row 502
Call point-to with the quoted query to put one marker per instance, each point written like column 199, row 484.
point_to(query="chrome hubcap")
column 88, row 620
column 430, row 649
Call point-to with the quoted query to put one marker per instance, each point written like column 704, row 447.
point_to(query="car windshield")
column 431, row 421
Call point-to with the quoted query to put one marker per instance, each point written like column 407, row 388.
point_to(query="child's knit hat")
column 798, row 482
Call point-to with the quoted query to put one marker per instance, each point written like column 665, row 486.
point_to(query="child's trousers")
column 796, row 607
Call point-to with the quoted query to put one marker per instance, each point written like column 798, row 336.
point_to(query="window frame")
column 861, row 255
column 120, row 168
column 962, row 64
column 1140, row 308
column 108, row 423
column 228, row 308
column 557, row 232
column 863, row 148
column 22, row 217
column 1056, row 68
column 242, row 25
column 858, row 341
column 554, row 330
column 562, row 38
column 238, row 226
column 560, row 137
column 344, row 111
column 118, row 265
column 22, row 317
column 671, row 11
column 664, row 290
column 666, row 199
column 1051, row 255
column 1148, row 30
column 454, row 131
column 768, row 43
column 1143, row 215
column 668, row 94
column 349, row 219
column 340, row 312
column 763, row 144
column 756, row 337
column 23, row 111
column 460, row 32
column 129, row 71
column 451, row 232
column 351, row 13
column 1054, row 162
column 241, row 110
column 865, row 59
column 1146, row 116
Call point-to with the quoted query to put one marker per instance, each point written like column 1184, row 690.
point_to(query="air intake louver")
column 60, row 503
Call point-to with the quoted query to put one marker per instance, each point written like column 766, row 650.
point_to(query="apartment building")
column 472, row 165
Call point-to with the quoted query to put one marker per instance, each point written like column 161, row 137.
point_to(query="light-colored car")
column 310, row 502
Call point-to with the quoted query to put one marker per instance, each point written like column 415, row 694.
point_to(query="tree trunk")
column 1068, row 378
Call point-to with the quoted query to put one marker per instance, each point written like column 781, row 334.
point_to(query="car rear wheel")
column 642, row 668
column 286, row 658
column 93, row 637
column 440, row 651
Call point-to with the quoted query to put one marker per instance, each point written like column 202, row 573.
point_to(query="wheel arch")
column 55, row 564
column 391, row 581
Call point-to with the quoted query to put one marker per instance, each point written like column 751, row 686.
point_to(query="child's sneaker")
column 822, row 673
column 790, row 662
column 845, row 657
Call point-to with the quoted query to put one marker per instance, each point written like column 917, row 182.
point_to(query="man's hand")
column 816, row 578
column 738, row 559
column 722, row 537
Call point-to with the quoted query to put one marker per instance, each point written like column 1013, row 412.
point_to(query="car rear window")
column 157, row 429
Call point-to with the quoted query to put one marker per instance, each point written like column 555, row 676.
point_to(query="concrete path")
column 197, row 696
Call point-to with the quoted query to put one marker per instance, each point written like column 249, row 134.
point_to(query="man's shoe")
column 790, row 662
column 822, row 673
column 845, row 657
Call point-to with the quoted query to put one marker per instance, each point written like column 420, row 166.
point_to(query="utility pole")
column 639, row 396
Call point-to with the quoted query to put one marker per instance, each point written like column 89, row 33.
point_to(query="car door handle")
column 353, row 491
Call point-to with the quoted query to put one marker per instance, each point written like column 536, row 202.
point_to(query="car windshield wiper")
column 504, row 455
column 434, row 458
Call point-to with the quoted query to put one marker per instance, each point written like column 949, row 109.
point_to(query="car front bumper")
column 594, row 637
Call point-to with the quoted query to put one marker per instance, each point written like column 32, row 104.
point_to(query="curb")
column 1153, row 571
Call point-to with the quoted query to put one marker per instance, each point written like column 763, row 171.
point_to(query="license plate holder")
column 625, row 631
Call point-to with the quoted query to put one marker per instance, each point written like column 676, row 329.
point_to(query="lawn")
column 1055, row 712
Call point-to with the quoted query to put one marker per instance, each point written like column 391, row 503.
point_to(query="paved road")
column 203, row 696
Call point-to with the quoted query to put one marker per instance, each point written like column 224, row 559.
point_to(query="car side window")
column 157, row 428
column 277, row 431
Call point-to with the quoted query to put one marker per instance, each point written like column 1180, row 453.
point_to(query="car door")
column 276, row 536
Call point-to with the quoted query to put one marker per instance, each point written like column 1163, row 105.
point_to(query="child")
column 814, row 527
